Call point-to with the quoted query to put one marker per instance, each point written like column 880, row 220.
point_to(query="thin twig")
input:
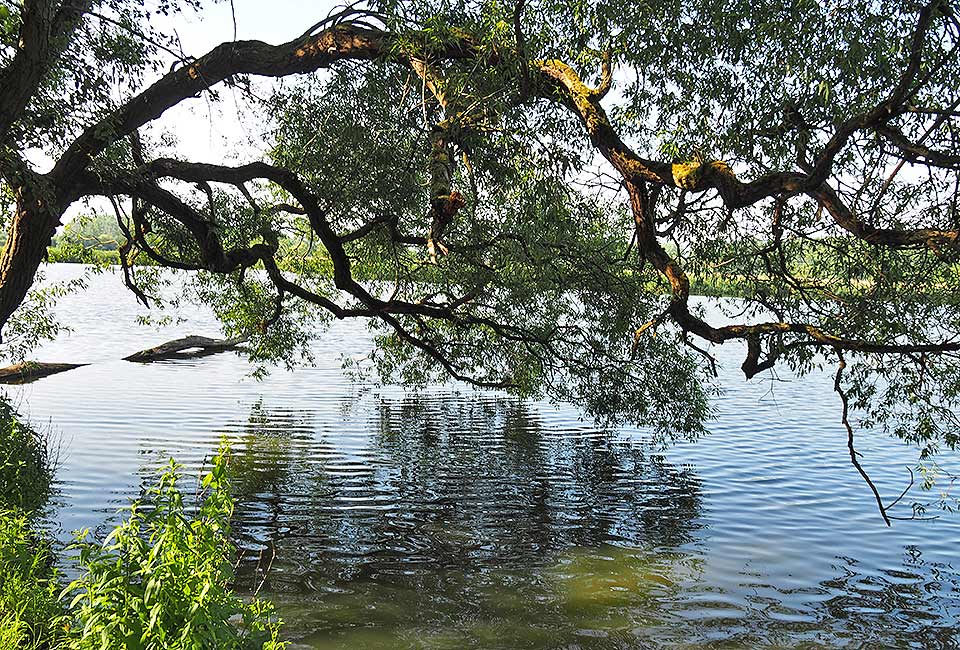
column 850, row 446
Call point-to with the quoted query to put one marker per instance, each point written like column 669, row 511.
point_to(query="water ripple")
column 447, row 518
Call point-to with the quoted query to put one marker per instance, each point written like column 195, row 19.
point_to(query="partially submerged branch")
column 28, row 371
column 186, row 347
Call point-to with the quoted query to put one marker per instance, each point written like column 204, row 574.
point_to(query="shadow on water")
column 462, row 523
column 454, row 519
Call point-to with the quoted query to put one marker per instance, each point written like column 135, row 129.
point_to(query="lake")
column 450, row 518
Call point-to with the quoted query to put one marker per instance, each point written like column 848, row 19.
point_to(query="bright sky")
column 223, row 132
column 209, row 132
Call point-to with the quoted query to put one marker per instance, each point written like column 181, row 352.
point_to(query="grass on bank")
column 29, row 588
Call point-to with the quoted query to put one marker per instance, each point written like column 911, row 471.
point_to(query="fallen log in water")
column 28, row 371
column 186, row 348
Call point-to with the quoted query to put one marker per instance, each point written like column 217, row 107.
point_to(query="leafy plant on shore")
column 28, row 585
column 160, row 579
column 28, row 580
column 25, row 464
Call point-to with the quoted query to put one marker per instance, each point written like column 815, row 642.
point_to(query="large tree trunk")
column 31, row 229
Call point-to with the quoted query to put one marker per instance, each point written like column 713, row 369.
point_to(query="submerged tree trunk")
column 28, row 371
column 200, row 346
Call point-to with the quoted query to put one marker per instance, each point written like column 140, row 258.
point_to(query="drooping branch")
column 302, row 55
column 645, row 209
column 222, row 261
column 851, row 449
column 142, row 184
column 638, row 173
column 643, row 203
column 124, row 252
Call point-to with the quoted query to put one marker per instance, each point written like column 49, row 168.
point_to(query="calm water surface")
column 448, row 518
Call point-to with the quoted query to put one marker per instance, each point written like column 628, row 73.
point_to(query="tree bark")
column 31, row 229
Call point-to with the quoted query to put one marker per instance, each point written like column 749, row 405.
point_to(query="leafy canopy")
column 524, row 195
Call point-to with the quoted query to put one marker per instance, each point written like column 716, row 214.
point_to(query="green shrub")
column 160, row 579
column 29, row 605
column 28, row 582
column 73, row 253
column 25, row 465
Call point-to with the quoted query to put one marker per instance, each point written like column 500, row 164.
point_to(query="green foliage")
column 28, row 583
column 98, row 231
column 115, row 47
column 160, row 579
column 246, row 305
column 555, row 302
column 36, row 321
column 90, row 239
column 29, row 604
column 26, row 467
column 72, row 253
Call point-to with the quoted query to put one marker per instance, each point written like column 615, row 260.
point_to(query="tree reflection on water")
column 437, row 521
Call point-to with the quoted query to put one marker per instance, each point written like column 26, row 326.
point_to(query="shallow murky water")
column 448, row 518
